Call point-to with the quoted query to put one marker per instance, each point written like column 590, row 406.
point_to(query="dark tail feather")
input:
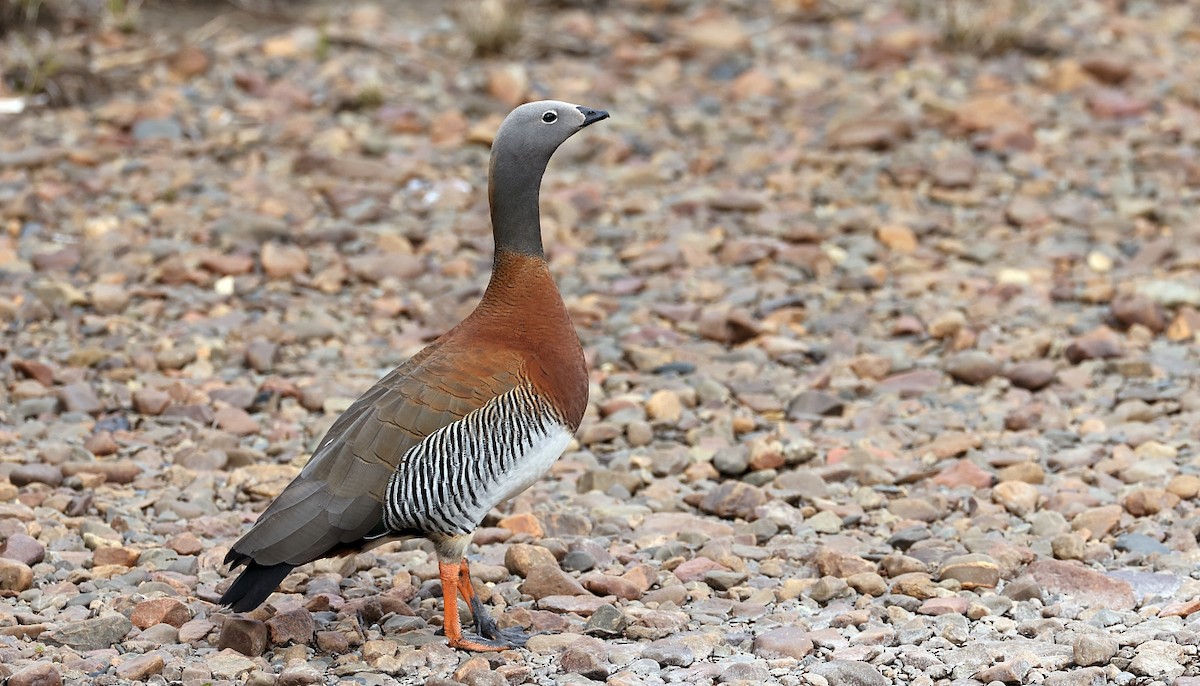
column 254, row 585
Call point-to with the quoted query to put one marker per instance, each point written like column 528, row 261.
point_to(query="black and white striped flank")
column 447, row 483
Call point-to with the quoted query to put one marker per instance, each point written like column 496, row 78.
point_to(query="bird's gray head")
column 536, row 129
column 527, row 138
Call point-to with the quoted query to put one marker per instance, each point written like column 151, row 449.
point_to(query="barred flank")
column 446, row 483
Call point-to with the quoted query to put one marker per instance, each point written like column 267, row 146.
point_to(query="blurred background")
column 887, row 281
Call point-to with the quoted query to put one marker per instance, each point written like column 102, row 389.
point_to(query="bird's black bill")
column 591, row 116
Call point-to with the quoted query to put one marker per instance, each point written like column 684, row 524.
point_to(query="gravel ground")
column 891, row 314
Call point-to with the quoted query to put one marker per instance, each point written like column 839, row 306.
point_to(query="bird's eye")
column 550, row 117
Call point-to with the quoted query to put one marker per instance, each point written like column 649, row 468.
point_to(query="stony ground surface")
column 891, row 313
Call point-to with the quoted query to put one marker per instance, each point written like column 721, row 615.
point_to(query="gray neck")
column 513, row 184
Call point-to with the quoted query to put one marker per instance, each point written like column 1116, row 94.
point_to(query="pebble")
column 160, row 611
column 733, row 499
column 1093, row 650
column 94, row 634
column 548, row 580
column 22, row 548
column 36, row 674
column 1083, row 585
column 141, row 667
column 1158, row 659
column 523, row 558
column 851, row 673
column 972, row 367
column 1017, row 497
column 243, row 635
column 292, row 626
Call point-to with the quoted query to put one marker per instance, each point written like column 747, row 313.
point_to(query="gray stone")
column 1090, row 649
column 669, row 653
column 851, row 673
column 605, row 621
column 37, row 674
column 1158, row 659
column 94, row 634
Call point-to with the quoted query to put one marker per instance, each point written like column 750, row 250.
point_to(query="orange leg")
column 465, row 588
column 450, row 574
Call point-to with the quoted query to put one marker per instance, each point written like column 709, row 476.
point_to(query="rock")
column 1185, row 486
column 914, row 508
column 832, row 562
column 586, row 658
column 236, row 421
column 914, row 584
column 872, row 133
column 1009, row 671
column 522, row 558
column 150, row 401
column 25, row 474
column 582, row 605
column 260, row 355
column 1083, row 585
column 79, row 397
column 972, row 367
column 36, row 674
column 603, row 584
column 109, row 298
column 733, row 499
column 971, row 571
column 228, row 664
column 1017, row 497
column 15, row 576
column 22, row 548
column 115, row 555
column 101, row 443
column 912, row 384
column 94, row 634
column 897, row 237
column 964, row 472
column 523, row 523
column 293, row 626
column 850, row 673
column 696, row 569
column 787, row 641
column 1111, row 69
column 669, row 652
column 827, row 588
column 166, row 128
column 548, row 580
column 814, row 404
column 606, row 621
column 1032, row 376
column 246, row 636
column 160, row 611
column 942, row 606
column 1068, row 547
column 332, row 642
column 1145, row 502
column 1023, row 588
column 283, row 261
column 1098, row 521
column 1158, row 659
column 1099, row 344
column 867, row 583
column 141, row 667
column 1025, row 211
column 1091, row 649
column 186, row 543
column 1139, row 309
column 664, row 406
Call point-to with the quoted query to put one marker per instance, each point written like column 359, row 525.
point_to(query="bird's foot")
column 512, row 637
column 479, row 644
